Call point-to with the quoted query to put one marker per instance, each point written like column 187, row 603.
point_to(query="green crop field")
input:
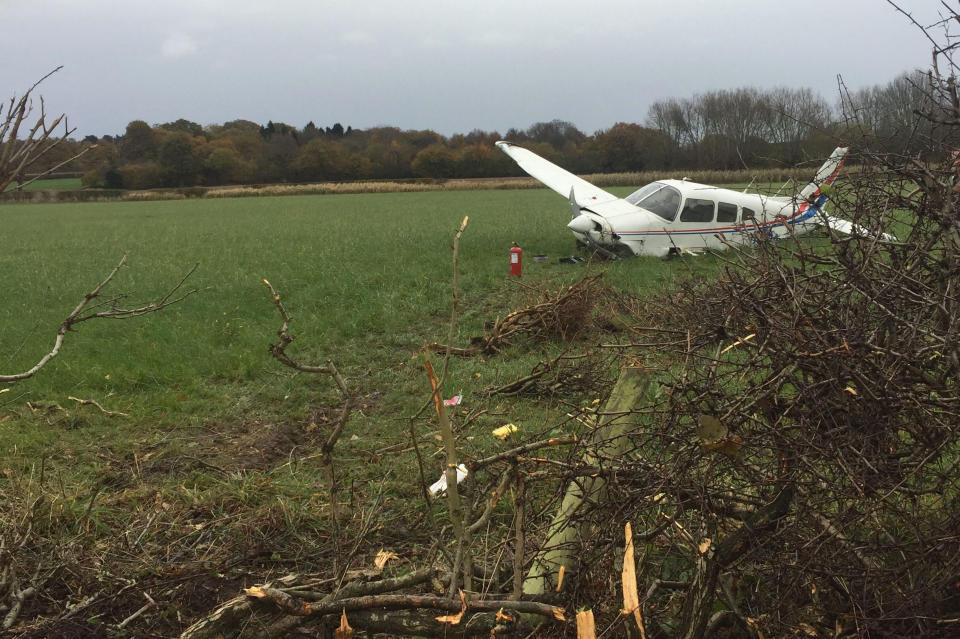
column 363, row 275
column 54, row 184
column 367, row 279
column 215, row 430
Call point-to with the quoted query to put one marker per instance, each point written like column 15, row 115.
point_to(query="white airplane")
column 673, row 216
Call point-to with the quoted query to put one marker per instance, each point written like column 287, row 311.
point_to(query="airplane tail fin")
column 815, row 194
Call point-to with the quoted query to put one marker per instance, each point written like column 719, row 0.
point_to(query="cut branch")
column 296, row 606
column 609, row 441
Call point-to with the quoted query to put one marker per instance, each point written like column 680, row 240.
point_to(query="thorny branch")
column 279, row 351
column 297, row 606
column 93, row 402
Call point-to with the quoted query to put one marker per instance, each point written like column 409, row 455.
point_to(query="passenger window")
column 726, row 212
column 749, row 217
column 697, row 211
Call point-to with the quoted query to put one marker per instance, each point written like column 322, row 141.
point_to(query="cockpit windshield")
column 657, row 198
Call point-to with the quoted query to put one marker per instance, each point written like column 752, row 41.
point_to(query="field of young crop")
column 363, row 275
column 51, row 184
column 211, row 459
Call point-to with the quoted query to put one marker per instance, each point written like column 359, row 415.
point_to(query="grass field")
column 209, row 414
column 366, row 277
column 361, row 274
column 54, row 184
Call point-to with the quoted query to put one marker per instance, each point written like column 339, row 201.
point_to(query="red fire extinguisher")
column 516, row 260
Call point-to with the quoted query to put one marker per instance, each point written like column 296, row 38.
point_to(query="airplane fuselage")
column 679, row 215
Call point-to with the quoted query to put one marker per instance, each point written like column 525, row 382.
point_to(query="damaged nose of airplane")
column 584, row 224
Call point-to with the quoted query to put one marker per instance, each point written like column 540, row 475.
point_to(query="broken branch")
column 296, row 606
column 93, row 402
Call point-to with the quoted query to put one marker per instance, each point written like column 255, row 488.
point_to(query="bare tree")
column 23, row 143
column 722, row 129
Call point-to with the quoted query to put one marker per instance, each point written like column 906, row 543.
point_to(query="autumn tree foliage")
column 727, row 129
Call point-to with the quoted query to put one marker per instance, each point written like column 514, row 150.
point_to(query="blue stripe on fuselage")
column 797, row 219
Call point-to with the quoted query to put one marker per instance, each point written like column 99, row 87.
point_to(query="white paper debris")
column 440, row 485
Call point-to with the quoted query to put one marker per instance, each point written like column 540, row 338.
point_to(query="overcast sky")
column 451, row 66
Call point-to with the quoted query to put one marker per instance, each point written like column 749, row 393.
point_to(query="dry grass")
column 332, row 188
column 149, row 196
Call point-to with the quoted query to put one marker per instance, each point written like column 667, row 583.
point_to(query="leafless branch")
column 114, row 311
column 16, row 152
column 279, row 352
column 92, row 402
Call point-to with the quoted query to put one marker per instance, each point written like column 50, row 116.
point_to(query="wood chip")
column 344, row 631
column 383, row 557
column 585, row 625
column 631, row 598
column 455, row 619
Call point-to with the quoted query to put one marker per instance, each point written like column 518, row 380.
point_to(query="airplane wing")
column 560, row 180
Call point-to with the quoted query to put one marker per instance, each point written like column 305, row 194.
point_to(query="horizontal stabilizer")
column 560, row 180
column 849, row 228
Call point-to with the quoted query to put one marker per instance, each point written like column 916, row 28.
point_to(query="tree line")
column 724, row 129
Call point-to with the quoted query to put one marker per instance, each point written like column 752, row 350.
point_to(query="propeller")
column 574, row 207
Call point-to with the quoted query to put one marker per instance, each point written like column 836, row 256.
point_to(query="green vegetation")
column 367, row 278
column 209, row 413
column 353, row 268
column 51, row 184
